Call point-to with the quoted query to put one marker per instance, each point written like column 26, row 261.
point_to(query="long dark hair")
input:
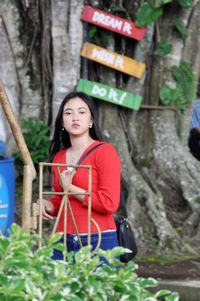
column 61, row 138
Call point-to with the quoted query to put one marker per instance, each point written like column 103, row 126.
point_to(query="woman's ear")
column 91, row 123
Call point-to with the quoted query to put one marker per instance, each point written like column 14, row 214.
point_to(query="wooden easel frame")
column 66, row 204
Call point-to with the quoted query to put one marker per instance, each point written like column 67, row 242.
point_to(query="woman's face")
column 76, row 117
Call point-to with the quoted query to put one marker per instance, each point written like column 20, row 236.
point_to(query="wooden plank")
column 113, row 23
column 113, row 95
column 114, row 60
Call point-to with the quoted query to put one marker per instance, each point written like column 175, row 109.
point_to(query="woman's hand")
column 66, row 177
column 47, row 209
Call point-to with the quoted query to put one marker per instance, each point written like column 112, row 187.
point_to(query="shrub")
column 37, row 139
column 32, row 275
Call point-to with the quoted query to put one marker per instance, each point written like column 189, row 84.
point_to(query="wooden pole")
column 89, row 204
column 17, row 133
column 40, row 202
column 29, row 169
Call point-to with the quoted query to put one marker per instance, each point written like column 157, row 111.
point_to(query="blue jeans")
column 108, row 241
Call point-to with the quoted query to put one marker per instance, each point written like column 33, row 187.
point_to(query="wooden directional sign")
column 113, row 23
column 109, row 94
column 114, row 60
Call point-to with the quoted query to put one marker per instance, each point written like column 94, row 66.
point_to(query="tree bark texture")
column 40, row 62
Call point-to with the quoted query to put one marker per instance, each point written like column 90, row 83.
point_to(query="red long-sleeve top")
column 105, row 196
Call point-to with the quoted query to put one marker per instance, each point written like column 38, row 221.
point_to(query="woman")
column 76, row 132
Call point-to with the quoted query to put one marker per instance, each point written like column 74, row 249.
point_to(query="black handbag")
column 124, row 233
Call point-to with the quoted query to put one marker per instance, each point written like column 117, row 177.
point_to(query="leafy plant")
column 147, row 14
column 190, row 241
column 180, row 27
column 143, row 162
column 31, row 276
column 168, row 95
column 35, row 133
column 92, row 31
column 159, row 3
column 98, row 36
column 115, row 8
column 186, row 3
column 185, row 87
column 164, row 48
column 153, row 241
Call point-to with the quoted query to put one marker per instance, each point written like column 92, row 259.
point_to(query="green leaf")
column 162, row 293
column 147, row 14
column 83, row 254
column 186, row 3
column 108, row 269
column 15, row 263
column 117, row 251
column 54, row 238
column 164, row 48
column 75, row 286
column 15, row 229
column 117, row 9
column 4, row 243
column 45, row 251
column 159, row 3
column 18, row 285
column 92, row 31
column 60, row 247
column 180, row 27
column 172, row 297
column 186, row 84
column 134, row 288
column 3, row 280
column 131, row 265
column 147, row 282
column 168, row 95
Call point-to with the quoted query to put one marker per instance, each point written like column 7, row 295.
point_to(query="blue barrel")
column 7, row 193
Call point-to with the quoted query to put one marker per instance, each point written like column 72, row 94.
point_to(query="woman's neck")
column 78, row 143
column 78, row 146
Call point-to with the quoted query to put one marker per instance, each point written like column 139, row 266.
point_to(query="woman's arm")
column 66, row 180
column 107, row 196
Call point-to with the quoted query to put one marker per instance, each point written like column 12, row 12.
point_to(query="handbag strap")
column 122, row 202
column 88, row 152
